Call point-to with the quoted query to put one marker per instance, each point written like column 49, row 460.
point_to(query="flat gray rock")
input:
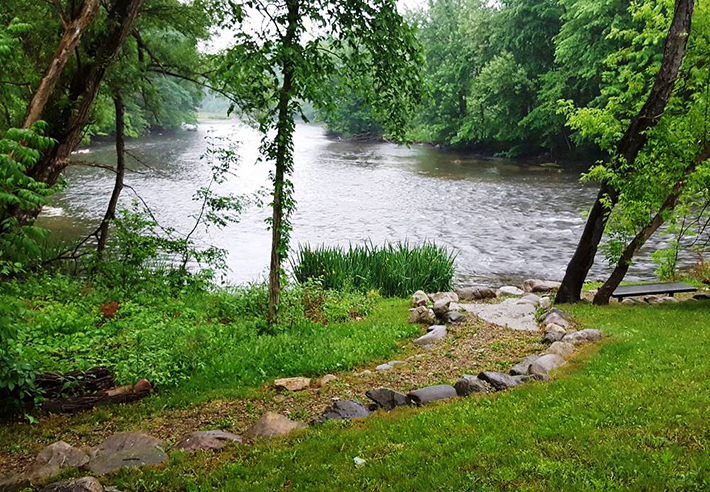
column 523, row 366
column 387, row 399
column 426, row 395
column 383, row 367
column 54, row 458
column 345, row 410
column 468, row 384
column 509, row 313
column 435, row 334
column 509, row 290
column 500, row 381
column 85, row 484
column 530, row 298
column 475, row 293
column 126, row 449
column 213, row 440
column 545, row 363
column 583, row 336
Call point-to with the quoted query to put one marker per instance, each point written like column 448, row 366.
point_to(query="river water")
column 505, row 220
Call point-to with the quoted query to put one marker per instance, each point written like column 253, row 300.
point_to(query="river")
column 505, row 220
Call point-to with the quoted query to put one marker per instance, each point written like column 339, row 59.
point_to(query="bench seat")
column 652, row 289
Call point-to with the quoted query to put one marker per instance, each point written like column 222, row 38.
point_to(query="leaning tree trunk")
column 73, row 32
column 604, row 293
column 627, row 150
column 68, row 123
column 284, row 150
column 120, row 172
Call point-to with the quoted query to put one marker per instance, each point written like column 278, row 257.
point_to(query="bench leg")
column 672, row 294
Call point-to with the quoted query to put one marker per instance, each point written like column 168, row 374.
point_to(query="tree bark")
column 120, row 173
column 284, row 146
column 604, row 293
column 68, row 122
column 73, row 32
column 627, row 150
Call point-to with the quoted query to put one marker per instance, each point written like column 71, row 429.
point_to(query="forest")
column 480, row 229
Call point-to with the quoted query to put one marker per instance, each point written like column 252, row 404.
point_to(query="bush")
column 392, row 269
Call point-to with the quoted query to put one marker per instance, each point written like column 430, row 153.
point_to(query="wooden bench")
column 651, row 289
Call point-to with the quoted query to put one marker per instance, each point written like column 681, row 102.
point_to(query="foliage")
column 392, row 269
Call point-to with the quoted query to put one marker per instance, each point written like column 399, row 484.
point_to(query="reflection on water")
column 505, row 220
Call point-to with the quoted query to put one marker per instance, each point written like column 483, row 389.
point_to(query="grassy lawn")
column 631, row 413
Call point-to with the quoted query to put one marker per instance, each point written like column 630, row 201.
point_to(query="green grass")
column 392, row 269
column 632, row 415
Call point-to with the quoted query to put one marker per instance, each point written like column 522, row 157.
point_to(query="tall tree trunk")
column 284, row 149
column 73, row 30
column 68, row 122
column 120, row 172
column 627, row 150
column 604, row 293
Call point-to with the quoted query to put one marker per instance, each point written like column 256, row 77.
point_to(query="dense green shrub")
column 392, row 269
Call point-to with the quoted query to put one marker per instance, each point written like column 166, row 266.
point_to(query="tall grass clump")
column 393, row 269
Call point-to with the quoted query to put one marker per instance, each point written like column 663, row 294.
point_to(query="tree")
column 626, row 151
column 278, row 69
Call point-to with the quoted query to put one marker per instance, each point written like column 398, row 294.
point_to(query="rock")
column 536, row 285
column 632, row 300
column 126, row 449
column 396, row 362
column 387, row 399
column 142, row 385
column 563, row 349
column 435, row 334
column 553, row 318
column 14, row 482
column 426, row 395
column 500, row 381
column 213, row 440
column 544, row 303
column 532, row 377
column 86, row 484
column 507, row 313
column 366, row 372
column 533, row 299
column 419, row 298
column 583, row 336
column 271, row 425
column 441, row 307
column 443, row 295
column 345, row 410
column 468, row 384
column 559, row 312
column 292, row 384
column 509, row 290
column 475, row 293
column 383, row 367
column 669, row 300
column 553, row 333
column 452, row 317
column 423, row 315
column 701, row 297
column 328, row 378
column 54, row 458
column 523, row 366
column 546, row 363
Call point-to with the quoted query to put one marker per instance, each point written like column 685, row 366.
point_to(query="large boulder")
column 468, row 384
column 126, row 449
column 419, row 298
column 475, row 293
column 441, row 307
column 563, row 349
column 387, row 399
column 435, row 334
column 545, row 363
column 537, row 285
column 54, row 458
column 85, row 484
column 426, row 395
column 292, row 384
column 553, row 333
column 213, row 440
column 523, row 366
column 422, row 315
column 345, row 410
column 272, row 424
column 500, row 381
column 583, row 336
column 452, row 296
column 509, row 290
